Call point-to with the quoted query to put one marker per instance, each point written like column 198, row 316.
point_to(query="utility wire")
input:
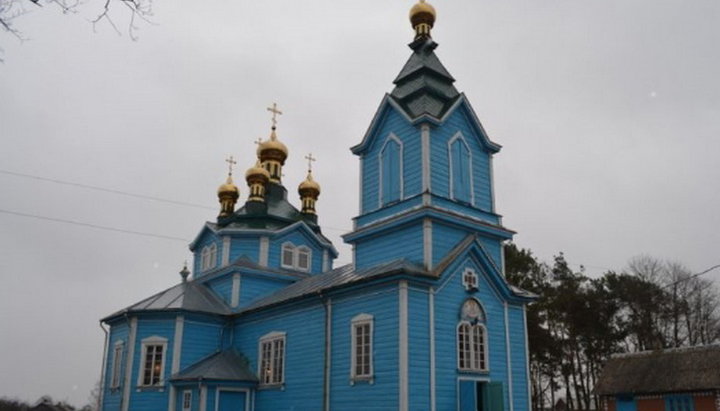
column 690, row 277
column 127, row 194
column 99, row 227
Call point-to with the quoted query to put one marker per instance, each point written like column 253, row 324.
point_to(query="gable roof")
column 187, row 296
column 662, row 371
column 228, row 365
column 336, row 278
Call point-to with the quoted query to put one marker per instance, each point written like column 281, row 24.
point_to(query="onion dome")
column 228, row 193
column 257, row 172
column 422, row 18
column 229, row 188
column 309, row 187
column 272, row 149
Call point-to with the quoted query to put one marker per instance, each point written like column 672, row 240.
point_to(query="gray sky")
column 609, row 114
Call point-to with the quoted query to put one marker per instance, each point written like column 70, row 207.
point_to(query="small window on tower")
column 303, row 258
column 152, row 368
column 187, row 400
column 288, row 255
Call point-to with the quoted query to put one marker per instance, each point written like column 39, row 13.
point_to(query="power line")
column 690, row 277
column 99, row 227
column 106, row 190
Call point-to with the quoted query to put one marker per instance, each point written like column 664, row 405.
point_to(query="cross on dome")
column 310, row 160
column 275, row 112
column 231, row 162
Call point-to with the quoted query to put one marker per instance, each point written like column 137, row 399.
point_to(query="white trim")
column 116, row 365
column 291, row 247
column 468, row 286
column 271, row 338
column 226, row 251
column 403, row 345
column 427, row 244
column 527, row 358
column 492, row 183
column 177, row 352
column 295, row 250
column 264, row 251
column 235, row 293
column 459, row 136
column 401, row 197
column 299, row 250
column 502, row 258
column 425, row 142
column 360, row 184
column 132, row 335
column 326, row 261
column 431, row 326
column 203, row 398
column 486, row 348
column 509, row 359
column 182, row 399
column 145, row 343
column 229, row 389
column 361, row 320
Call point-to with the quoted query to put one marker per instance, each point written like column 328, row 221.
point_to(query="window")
column 116, row 365
column 208, row 258
column 460, row 169
column 472, row 338
column 296, row 258
column 470, row 279
column 390, row 171
column 187, row 400
column 272, row 359
column 679, row 402
column 361, row 334
column 153, row 364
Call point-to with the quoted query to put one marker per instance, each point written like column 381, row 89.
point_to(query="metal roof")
column 424, row 86
column 662, row 371
column 228, row 365
column 336, row 278
column 188, row 296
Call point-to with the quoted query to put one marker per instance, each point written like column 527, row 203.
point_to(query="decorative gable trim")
column 377, row 121
column 474, row 121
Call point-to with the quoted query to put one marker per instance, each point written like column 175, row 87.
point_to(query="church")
column 423, row 318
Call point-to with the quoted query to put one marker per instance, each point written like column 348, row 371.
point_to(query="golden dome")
column 228, row 187
column 257, row 170
column 422, row 12
column 309, row 185
column 272, row 144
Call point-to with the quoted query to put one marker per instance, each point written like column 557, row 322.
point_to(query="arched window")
column 208, row 257
column 391, row 171
column 296, row 258
column 472, row 338
column 288, row 255
column 460, row 170
column 303, row 258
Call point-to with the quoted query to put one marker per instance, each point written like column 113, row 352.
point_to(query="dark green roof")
column 227, row 365
column 424, row 86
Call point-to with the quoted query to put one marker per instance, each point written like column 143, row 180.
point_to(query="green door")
column 493, row 398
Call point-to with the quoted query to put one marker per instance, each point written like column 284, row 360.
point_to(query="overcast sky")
column 608, row 111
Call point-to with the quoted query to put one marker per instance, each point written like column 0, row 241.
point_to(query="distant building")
column 423, row 318
column 683, row 379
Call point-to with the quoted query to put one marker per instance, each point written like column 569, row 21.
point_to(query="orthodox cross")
column 231, row 162
column 275, row 112
column 258, row 141
column 310, row 160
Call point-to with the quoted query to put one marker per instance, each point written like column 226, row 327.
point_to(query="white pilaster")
column 427, row 243
column 177, row 352
column 132, row 334
column 425, row 143
column 509, row 359
column 403, row 345
column 264, row 251
column 226, row 251
column 235, row 294
column 431, row 315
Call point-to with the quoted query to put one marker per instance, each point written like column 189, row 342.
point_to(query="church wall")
column 440, row 163
column 518, row 357
column 222, row 286
column 247, row 246
column 207, row 239
column 389, row 211
column 396, row 123
column 444, row 239
column 112, row 397
column 448, row 300
column 382, row 393
column 304, row 354
column 200, row 339
column 152, row 399
column 418, row 348
column 298, row 238
column 253, row 287
column 463, row 209
column 402, row 242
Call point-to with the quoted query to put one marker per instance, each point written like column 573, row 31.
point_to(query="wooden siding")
column 382, row 392
column 200, row 340
column 304, row 355
column 298, row 237
column 403, row 242
column 448, row 301
column 651, row 404
column 222, row 287
column 389, row 211
column 112, row 397
column 207, row 238
column 418, row 348
column 254, row 286
column 156, row 398
column 518, row 355
column 705, row 403
column 245, row 246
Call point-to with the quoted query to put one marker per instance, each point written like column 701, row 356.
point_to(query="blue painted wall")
column 152, row 399
column 402, row 242
column 253, row 287
column 201, row 338
column 206, row 239
column 298, row 237
column 112, row 397
column 247, row 246
column 419, row 348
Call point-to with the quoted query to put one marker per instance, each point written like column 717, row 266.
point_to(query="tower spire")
column 272, row 153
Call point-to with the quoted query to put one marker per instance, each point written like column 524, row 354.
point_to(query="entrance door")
column 481, row 396
column 231, row 401
column 625, row 404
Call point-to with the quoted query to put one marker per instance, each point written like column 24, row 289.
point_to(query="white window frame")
column 401, row 197
column 472, row 285
column 186, row 400
column 208, row 257
column 116, row 371
column 295, row 250
column 451, row 184
column 146, row 343
column 358, row 321
column 474, row 355
column 276, row 362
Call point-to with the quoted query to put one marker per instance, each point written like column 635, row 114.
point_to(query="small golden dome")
column 309, row 185
column 257, row 171
column 422, row 12
column 228, row 187
column 272, row 144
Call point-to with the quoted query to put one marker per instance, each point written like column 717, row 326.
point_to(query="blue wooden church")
column 423, row 318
